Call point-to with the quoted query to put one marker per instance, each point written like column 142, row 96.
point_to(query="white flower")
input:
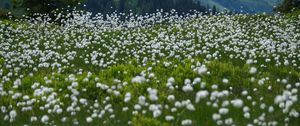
column 216, row 116
column 200, row 95
column 89, row 119
column 190, row 107
column 247, row 115
column 156, row 113
column 59, row 111
column 33, row 119
column 249, row 61
column 64, row 119
column 214, row 86
column 225, row 81
column 187, row 88
column 271, row 109
column 187, row 81
column 244, row 93
column 237, row 103
column 229, row 121
column 171, row 98
column 202, row 70
column 138, row 79
column 152, row 94
column 279, row 99
column 186, row 122
column 142, row 100
column 12, row 114
column 124, row 109
column 171, row 80
column 137, row 107
column 45, row 119
column 127, row 97
column 197, row 80
column 246, row 109
column 169, row 118
column 223, row 111
column 253, row 70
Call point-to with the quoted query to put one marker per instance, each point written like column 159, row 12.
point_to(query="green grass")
column 238, row 76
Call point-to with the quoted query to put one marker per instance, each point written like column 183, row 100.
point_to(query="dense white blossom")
column 177, row 66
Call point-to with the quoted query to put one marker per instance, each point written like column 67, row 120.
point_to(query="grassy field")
column 160, row 69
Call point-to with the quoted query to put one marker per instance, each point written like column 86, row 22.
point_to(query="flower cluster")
column 157, row 68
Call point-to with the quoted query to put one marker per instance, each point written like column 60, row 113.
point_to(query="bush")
column 3, row 14
column 288, row 6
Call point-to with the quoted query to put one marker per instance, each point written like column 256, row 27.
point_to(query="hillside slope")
column 160, row 70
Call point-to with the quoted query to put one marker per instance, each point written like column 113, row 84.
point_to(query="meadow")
column 158, row 69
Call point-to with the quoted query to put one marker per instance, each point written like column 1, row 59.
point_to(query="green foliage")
column 289, row 6
column 144, row 121
column 294, row 15
column 3, row 14
column 142, row 6
column 43, row 6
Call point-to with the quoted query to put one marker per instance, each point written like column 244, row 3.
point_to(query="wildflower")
column 169, row 118
column 253, row 70
column 45, row 119
column 138, row 79
column 237, row 103
column 89, row 119
column 200, row 95
column 186, row 122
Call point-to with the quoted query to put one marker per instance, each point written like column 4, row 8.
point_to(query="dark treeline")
column 29, row 7
column 17, row 8
column 289, row 5
column 143, row 6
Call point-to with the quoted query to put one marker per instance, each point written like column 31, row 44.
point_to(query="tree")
column 214, row 9
column 6, row 6
column 288, row 6
column 143, row 6
column 122, row 6
column 100, row 6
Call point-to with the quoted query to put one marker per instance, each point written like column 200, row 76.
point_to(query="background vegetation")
column 289, row 6
column 19, row 7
